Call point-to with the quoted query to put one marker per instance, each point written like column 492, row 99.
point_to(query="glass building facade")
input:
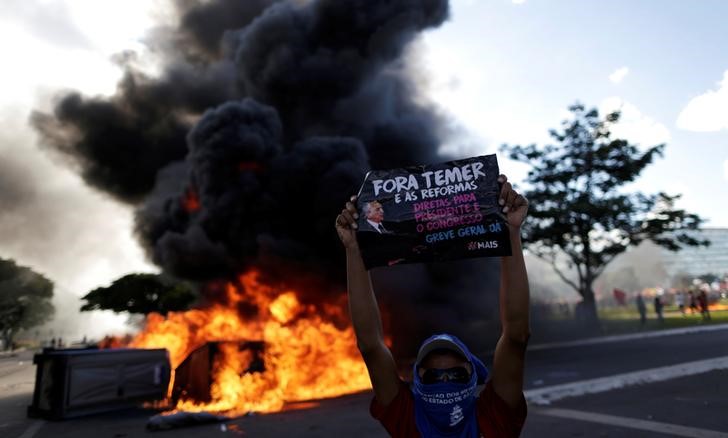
column 700, row 260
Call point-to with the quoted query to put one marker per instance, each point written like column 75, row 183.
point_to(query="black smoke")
column 266, row 112
column 255, row 199
column 203, row 25
column 264, row 120
column 329, row 68
column 122, row 142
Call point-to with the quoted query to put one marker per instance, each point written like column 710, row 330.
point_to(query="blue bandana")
column 447, row 409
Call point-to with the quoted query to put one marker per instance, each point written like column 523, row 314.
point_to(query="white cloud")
column 633, row 125
column 518, row 2
column 55, row 223
column 725, row 169
column 707, row 112
column 619, row 74
column 48, row 21
column 58, row 226
column 68, row 44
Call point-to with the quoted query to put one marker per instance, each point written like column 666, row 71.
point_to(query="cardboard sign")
column 436, row 212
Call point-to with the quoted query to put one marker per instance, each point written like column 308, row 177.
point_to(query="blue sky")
column 505, row 71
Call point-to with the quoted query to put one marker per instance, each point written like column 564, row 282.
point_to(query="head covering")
column 447, row 409
column 440, row 342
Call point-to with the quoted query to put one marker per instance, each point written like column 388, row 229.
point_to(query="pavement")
column 674, row 384
column 694, row 406
column 17, row 378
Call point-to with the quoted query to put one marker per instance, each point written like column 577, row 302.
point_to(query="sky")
column 505, row 71
column 508, row 70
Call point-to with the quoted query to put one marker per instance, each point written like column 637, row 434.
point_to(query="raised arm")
column 509, row 360
column 365, row 312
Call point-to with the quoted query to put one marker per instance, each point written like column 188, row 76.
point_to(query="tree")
column 141, row 293
column 709, row 278
column 25, row 299
column 579, row 211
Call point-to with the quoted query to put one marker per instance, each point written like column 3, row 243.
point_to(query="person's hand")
column 346, row 225
column 514, row 206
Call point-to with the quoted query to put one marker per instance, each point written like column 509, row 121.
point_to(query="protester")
column 693, row 302
column 658, row 308
column 641, row 308
column 703, row 302
column 444, row 398
column 680, row 301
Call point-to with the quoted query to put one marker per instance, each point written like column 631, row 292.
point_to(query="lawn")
column 621, row 320
column 625, row 320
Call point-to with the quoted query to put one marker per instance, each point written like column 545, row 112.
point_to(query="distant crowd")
column 695, row 301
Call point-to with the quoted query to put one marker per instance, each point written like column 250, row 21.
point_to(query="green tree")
column 709, row 278
column 25, row 299
column 141, row 293
column 580, row 216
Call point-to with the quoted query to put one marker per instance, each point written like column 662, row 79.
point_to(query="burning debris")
column 182, row 419
column 194, row 377
column 300, row 351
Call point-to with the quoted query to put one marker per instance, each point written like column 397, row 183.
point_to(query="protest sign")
column 435, row 212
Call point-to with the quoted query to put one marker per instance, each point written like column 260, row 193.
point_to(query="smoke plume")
column 292, row 103
column 265, row 118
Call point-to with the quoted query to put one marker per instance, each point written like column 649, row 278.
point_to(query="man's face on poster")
column 375, row 212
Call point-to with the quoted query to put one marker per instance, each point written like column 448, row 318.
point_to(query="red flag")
column 620, row 296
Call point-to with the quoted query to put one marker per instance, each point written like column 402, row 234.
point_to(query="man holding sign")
column 444, row 398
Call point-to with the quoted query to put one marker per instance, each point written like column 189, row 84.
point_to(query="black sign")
column 434, row 212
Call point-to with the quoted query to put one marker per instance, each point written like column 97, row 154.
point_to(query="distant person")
column 693, row 302
column 374, row 214
column 703, row 303
column 60, row 342
column 53, row 343
column 680, row 301
column 642, row 309
column 658, row 308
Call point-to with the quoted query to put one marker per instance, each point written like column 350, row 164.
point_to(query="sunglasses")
column 455, row 375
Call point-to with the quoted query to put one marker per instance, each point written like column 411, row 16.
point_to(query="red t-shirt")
column 495, row 418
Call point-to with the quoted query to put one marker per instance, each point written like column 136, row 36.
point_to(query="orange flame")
column 306, row 355
column 191, row 201
column 250, row 166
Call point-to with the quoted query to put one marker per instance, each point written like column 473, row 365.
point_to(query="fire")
column 191, row 201
column 250, row 166
column 306, row 355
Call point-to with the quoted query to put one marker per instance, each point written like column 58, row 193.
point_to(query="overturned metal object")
column 193, row 378
column 74, row 382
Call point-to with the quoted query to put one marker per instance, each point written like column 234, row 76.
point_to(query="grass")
column 620, row 320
